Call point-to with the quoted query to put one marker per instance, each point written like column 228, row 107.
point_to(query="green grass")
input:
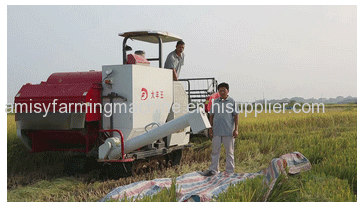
column 252, row 190
column 328, row 140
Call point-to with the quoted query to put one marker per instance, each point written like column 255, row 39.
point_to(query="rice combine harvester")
column 142, row 130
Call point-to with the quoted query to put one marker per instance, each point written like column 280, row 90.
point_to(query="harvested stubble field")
column 328, row 140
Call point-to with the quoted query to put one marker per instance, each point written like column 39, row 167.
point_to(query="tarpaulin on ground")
column 196, row 187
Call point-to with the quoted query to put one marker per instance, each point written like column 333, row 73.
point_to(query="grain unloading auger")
column 115, row 148
column 122, row 116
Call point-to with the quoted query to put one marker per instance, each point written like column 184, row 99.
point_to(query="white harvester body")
column 146, row 105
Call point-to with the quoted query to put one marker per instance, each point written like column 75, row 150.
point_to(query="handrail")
column 199, row 93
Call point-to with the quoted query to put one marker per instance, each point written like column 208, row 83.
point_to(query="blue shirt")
column 224, row 112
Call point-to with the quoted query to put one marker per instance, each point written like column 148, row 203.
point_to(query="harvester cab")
column 125, row 116
column 155, row 37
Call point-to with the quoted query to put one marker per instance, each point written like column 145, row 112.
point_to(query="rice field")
column 328, row 140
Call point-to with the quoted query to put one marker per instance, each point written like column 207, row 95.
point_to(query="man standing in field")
column 224, row 121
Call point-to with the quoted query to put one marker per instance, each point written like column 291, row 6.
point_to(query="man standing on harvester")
column 224, row 120
column 175, row 59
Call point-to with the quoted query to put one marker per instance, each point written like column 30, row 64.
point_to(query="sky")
column 260, row 51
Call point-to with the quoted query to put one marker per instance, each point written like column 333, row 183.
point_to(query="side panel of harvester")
column 181, row 104
column 139, row 95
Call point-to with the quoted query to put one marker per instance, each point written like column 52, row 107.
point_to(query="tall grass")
column 328, row 140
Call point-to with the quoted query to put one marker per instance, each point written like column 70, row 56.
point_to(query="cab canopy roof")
column 151, row 36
